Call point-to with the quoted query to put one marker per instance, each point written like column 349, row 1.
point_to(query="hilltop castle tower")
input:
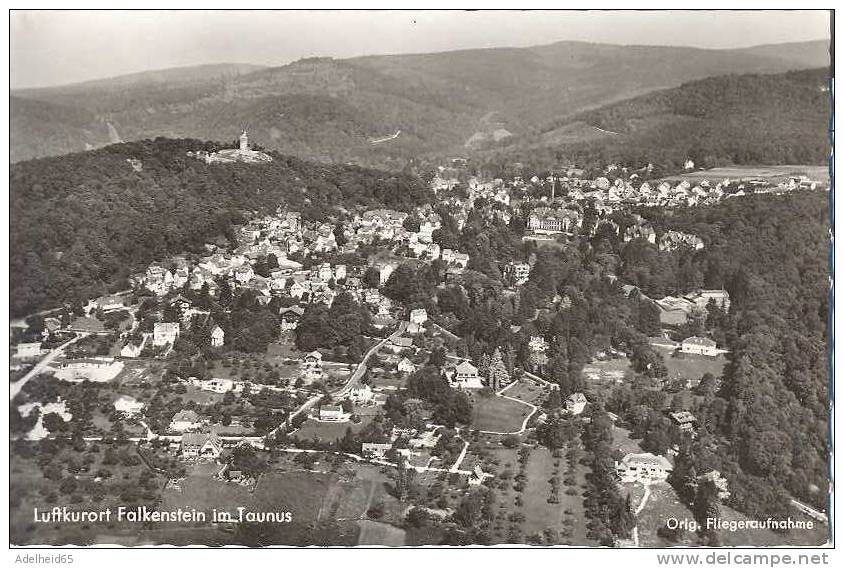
column 244, row 142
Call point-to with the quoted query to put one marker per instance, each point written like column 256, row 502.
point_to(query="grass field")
column 528, row 391
column 312, row 429
column 693, row 366
column 199, row 490
column 380, row 534
column 539, row 514
column 623, row 442
column 818, row 173
column 497, row 414
column 310, row 496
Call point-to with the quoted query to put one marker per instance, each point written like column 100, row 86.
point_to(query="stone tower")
column 244, row 141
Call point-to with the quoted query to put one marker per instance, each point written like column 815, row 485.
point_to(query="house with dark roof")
column 464, row 375
column 200, row 445
column 685, row 420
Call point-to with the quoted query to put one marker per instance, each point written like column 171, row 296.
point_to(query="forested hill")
column 769, row 420
column 331, row 109
column 732, row 119
column 83, row 222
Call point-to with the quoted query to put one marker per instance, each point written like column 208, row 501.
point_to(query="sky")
column 60, row 47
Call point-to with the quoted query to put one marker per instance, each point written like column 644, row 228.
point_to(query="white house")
column 132, row 349
column 127, row 405
column 453, row 257
column 201, row 446
column 699, row 346
column 464, row 375
column 384, row 272
column 219, row 386
column 478, row 476
column 537, row 344
column 643, row 467
column 418, row 316
column 374, row 450
column 519, row 272
column 312, row 365
column 333, row 414
column 218, row 336
column 576, row 403
column 718, row 480
column 108, row 303
column 406, row 366
column 26, row 350
column 164, row 334
column 244, row 274
column 185, row 420
column 360, row 394
column 290, row 317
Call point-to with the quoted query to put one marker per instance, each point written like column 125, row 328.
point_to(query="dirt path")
column 533, row 410
column 638, row 510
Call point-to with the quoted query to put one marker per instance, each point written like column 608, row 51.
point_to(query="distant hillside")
column 328, row 109
column 81, row 223
column 734, row 119
column 60, row 120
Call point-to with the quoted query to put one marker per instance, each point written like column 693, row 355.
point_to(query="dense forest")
column 731, row 119
column 772, row 408
column 765, row 422
column 321, row 108
column 80, row 224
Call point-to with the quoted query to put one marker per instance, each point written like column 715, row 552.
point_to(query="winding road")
column 351, row 383
column 15, row 388
column 533, row 411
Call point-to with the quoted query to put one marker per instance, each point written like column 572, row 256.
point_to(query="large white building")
column 699, row 346
column 465, row 375
column 643, row 467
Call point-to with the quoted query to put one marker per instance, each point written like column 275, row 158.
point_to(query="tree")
column 706, row 510
column 372, row 278
column 225, row 297
column 684, row 475
column 404, row 479
column 497, row 372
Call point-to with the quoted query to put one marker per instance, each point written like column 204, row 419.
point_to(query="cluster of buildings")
column 416, row 440
column 676, row 310
column 240, row 154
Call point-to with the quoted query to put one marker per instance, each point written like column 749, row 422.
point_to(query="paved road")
column 456, row 467
column 353, row 380
column 361, row 368
column 15, row 388
column 812, row 512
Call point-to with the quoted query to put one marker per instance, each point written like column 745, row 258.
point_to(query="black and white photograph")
column 518, row 279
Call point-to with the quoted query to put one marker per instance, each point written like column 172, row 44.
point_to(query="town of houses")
column 555, row 207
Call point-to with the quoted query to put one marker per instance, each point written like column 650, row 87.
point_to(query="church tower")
column 244, row 141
